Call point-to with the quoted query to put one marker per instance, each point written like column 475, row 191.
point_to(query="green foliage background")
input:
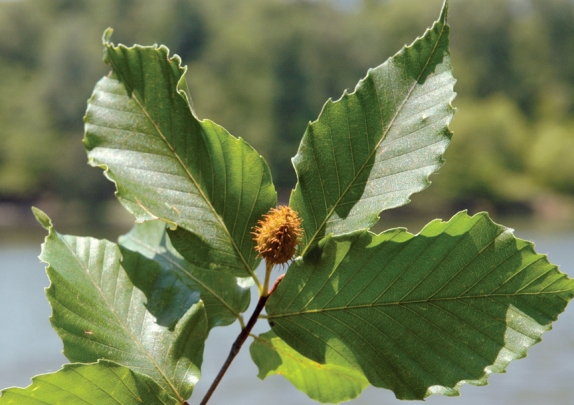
column 263, row 68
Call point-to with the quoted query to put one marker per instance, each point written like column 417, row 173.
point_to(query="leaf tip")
column 107, row 35
column 444, row 12
column 42, row 218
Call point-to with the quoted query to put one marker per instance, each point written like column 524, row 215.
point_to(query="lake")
column 29, row 346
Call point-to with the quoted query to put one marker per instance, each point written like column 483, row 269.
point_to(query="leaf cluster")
column 416, row 314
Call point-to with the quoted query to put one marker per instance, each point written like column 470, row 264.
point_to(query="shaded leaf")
column 421, row 314
column 173, row 284
column 99, row 313
column 103, row 383
column 326, row 383
column 169, row 165
column 370, row 150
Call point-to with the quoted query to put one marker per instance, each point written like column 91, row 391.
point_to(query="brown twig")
column 236, row 346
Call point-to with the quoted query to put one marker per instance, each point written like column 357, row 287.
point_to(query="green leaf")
column 174, row 284
column 99, row 313
column 421, row 314
column 370, row 150
column 103, row 383
column 169, row 165
column 329, row 383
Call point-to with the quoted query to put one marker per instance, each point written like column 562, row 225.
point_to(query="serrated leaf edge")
column 442, row 20
column 183, row 70
column 52, row 232
column 103, row 362
column 505, row 356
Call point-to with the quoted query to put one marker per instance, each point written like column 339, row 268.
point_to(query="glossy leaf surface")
column 103, row 383
column 172, row 284
column 421, row 314
column 169, row 165
column 325, row 383
column 371, row 149
column 99, row 313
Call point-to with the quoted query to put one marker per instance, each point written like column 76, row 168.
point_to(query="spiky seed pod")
column 278, row 234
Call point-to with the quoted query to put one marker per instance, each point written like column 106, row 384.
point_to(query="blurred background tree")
column 264, row 68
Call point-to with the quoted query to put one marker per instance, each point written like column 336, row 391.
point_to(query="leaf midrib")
column 185, row 168
column 412, row 302
column 119, row 319
column 376, row 147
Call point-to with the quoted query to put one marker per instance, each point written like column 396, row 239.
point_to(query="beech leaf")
column 103, row 383
column 325, row 383
column 371, row 149
column 172, row 284
column 420, row 314
column 169, row 165
column 99, row 313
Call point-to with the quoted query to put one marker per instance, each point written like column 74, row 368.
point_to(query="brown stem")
column 239, row 341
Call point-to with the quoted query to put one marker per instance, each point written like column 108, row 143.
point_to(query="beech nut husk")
column 277, row 235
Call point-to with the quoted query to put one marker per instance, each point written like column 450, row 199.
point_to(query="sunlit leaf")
column 371, row 149
column 169, row 165
column 421, row 314
column 99, row 313
column 103, row 383
column 175, row 284
column 326, row 383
